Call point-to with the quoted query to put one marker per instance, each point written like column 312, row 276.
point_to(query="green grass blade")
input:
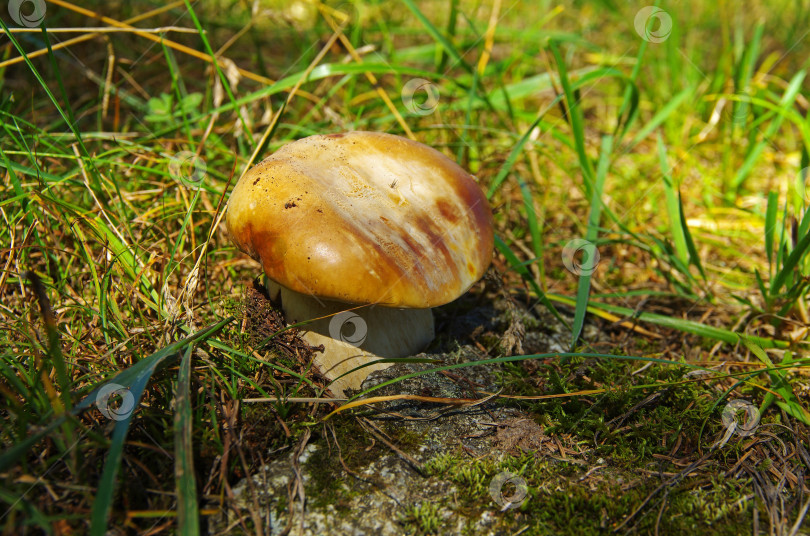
column 592, row 233
column 749, row 59
column 687, row 326
column 240, row 355
column 660, row 116
column 215, row 62
column 106, row 487
column 54, row 348
column 188, row 513
column 770, row 227
column 630, row 100
column 796, row 256
column 534, row 224
column 785, row 103
column 694, row 258
column 31, row 512
column 438, row 36
column 134, row 379
column 451, row 32
column 126, row 377
column 511, row 159
column 674, row 207
column 65, row 116
column 124, row 254
column 516, row 358
column 779, row 383
column 521, row 269
column 576, row 119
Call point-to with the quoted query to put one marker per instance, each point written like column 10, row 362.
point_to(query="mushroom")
column 361, row 233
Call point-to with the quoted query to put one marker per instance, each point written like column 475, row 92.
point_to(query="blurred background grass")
column 677, row 148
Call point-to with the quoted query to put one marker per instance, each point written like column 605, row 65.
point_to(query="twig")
column 298, row 485
column 105, row 29
column 672, row 481
column 795, row 529
column 295, row 400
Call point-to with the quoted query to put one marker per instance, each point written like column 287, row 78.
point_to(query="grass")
column 682, row 163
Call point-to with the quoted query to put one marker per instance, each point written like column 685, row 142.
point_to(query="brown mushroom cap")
column 364, row 217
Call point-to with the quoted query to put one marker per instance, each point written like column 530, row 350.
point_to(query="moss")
column 421, row 519
column 562, row 500
column 406, row 439
column 327, row 485
column 628, row 426
column 624, row 436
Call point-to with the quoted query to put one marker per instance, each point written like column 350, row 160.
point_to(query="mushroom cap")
column 366, row 218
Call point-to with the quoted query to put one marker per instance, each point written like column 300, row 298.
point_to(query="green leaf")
column 127, row 377
column 694, row 258
column 779, row 383
column 674, row 205
column 680, row 324
column 591, row 234
column 770, row 227
column 521, row 269
column 438, row 36
column 188, row 513
column 660, row 116
column 785, row 103
column 575, row 118
column 796, row 256
column 511, row 159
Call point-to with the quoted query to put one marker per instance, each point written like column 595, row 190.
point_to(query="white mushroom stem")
column 353, row 337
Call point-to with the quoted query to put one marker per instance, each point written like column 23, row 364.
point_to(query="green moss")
column 622, row 430
column 325, row 487
column 357, row 449
column 561, row 500
column 406, row 439
column 422, row 519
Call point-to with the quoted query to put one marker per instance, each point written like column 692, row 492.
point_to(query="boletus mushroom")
column 364, row 219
